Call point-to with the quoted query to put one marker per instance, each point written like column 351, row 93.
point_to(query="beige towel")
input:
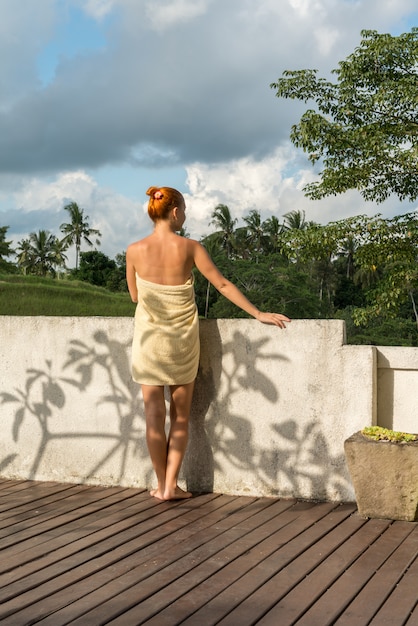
column 165, row 348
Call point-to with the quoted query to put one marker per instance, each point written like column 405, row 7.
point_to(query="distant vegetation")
column 362, row 270
column 33, row 295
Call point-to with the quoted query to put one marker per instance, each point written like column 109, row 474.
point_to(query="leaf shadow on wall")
column 295, row 459
column 45, row 394
column 218, row 433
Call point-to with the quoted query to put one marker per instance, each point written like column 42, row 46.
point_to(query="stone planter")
column 385, row 477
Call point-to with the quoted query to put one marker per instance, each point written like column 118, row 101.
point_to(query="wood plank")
column 19, row 509
column 290, row 523
column 66, row 588
column 219, row 594
column 90, row 555
column 351, row 538
column 156, row 574
column 294, row 556
column 80, row 548
column 13, row 485
column 332, row 597
column 401, row 602
column 373, row 595
column 73, row 537
column 413, row 618
column 76, row 506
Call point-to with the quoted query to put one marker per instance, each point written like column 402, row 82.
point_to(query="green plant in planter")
column 385, row 477
column 378, row 433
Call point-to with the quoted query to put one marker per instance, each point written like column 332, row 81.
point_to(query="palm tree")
column 78, row 230
column 348, row 252
column 295, row 220
column 43, row 253
column 58, row 248
column 255, row 233
column 273, row 230
column 367, row 277
column 222, row 219
column 23, row 254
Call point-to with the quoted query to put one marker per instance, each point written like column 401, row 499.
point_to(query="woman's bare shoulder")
column 137, row 245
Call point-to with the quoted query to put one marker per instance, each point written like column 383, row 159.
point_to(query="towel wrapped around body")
column 165, row 348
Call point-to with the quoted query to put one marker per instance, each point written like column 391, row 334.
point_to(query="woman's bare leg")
column 155, row 414
column 181, row 400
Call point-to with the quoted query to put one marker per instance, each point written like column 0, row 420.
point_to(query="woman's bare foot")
column 155, row 493
column 176, row 494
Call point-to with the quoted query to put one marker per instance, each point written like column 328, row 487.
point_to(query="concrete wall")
column 397, row 388
column 271, row 409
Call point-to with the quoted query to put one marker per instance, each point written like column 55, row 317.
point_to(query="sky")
column 100, row 99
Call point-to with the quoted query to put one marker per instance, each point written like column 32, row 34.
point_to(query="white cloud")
column 38, row 194
column 98, row 9
column 119, row 219
column 307, row 8
column 326, row 39
column 269, row 187
column 168, row 13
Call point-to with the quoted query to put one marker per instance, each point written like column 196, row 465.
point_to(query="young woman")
column 165, row 349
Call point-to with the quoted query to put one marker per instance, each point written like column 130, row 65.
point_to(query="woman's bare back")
column 163, row 258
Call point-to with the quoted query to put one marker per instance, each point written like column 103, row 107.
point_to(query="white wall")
column 397, row 388
column 271, row 409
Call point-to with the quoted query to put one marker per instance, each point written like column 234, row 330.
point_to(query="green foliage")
column 365, row 127
column 380, row 256
column 98, row 269
column 33, row 295
column 378, row 433
column 95, row 268
column 78, row 229
column 41, row 254
column 5, row 246
column 5, row 251
column 222, row 220
column 361, row 269
column 379, row 331
column 269, row 284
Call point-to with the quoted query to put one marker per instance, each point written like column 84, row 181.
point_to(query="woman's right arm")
column 206, row 266
column 130, row 275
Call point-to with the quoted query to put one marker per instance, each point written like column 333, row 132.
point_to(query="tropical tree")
column 255, row 233
column 41, row 254
column 384, row 255
column 347, row 252
column 272, row 230
column 222, row 220
column 365, row 128
column 5, row 249
column 390, row 255
column 95, row 268
column 294, row 220
column 205, row 294
column 23, row 254
column 78, row 230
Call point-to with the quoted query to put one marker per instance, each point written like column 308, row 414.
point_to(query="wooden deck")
column 73, row 554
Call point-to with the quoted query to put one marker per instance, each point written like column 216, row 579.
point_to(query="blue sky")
column 75, row 34
column 99, row 99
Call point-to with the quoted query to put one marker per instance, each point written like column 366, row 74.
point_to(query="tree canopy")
column 5, row 249
column 365, row 127
column 78, row 229
column 41, row 254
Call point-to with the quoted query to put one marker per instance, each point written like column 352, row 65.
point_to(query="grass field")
column 32, row 295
